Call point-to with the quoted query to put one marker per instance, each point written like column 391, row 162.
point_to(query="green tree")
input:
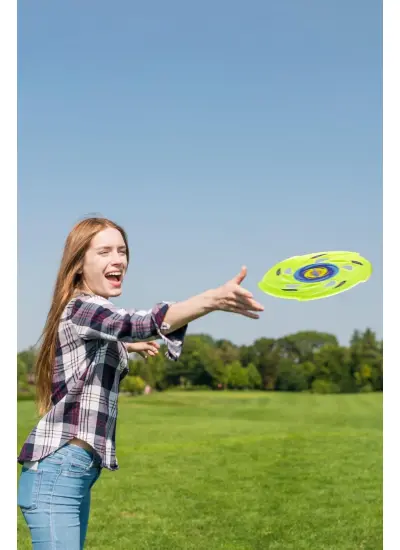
column 332, row 364
column 366, row 360
column 22, row 368
column 291, row 376
column 238, row 377
column 255, row 381
column 227, row 351
column 264, row 354
column 302, row 346
column 308, row 368
column 152, row 370
column 28, row 358
column 199, row 363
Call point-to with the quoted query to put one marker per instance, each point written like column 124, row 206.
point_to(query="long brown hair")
column 69, row 280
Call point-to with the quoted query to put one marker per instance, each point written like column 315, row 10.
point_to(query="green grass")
column 243, row 471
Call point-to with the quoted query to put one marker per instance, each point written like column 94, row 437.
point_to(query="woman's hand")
column 228, row 297
column 236, row 299
column 143, row 348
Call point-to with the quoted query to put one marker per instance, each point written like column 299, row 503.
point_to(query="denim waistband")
column 74, row 448
column 77, row 450
column 68, row 449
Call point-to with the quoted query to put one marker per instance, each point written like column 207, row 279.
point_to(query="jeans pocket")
column 28, row 489
column 77, row 465
column 54, row 459
column 78, row 468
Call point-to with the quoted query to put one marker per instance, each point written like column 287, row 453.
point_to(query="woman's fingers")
column 244, row 296
column 240, row 291
column 147, row 348
column 234, row 298
column 244, row 312
column 153, row 346
column 247, row 303
column 242, row 306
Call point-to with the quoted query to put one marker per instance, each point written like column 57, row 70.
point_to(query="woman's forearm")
column 228, row 297
column 182, row 313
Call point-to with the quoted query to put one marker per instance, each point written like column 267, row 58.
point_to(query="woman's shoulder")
column 81, row 298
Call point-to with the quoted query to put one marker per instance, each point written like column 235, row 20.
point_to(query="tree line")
column 305, row 361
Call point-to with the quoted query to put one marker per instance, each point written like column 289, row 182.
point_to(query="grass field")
column 237, row 470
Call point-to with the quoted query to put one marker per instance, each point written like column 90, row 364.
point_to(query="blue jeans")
column 54, row 498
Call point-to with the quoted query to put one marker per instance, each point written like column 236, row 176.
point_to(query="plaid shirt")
column 90, row 363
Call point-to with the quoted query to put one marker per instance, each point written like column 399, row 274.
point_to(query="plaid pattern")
column 90, row 363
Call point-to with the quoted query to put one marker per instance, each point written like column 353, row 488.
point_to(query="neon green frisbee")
column 315, row 276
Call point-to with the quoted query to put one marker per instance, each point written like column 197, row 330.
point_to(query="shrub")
column 25, row 396
column 190, row 387
column 324, row 386
column 133, row 385
column 366, row 388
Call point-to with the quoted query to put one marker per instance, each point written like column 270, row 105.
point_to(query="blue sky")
column 218, row 134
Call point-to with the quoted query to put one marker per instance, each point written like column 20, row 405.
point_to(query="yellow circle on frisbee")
column 317, row 275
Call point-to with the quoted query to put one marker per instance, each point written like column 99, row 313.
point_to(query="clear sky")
column 218, row 133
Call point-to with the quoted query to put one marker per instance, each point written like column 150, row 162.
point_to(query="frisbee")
column 317, row 275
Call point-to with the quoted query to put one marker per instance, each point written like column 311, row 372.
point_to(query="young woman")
column 81, row 362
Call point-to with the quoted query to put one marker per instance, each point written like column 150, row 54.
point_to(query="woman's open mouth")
column 114, row 278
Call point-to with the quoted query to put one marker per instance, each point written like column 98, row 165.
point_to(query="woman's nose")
column 116, row 259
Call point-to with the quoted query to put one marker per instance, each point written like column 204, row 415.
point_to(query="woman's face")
column 105, row 264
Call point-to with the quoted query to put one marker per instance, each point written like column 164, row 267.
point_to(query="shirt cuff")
column 174, row 340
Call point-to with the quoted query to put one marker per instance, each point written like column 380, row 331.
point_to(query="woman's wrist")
column 210, row 300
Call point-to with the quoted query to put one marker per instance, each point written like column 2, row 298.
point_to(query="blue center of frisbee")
column 315, row 273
